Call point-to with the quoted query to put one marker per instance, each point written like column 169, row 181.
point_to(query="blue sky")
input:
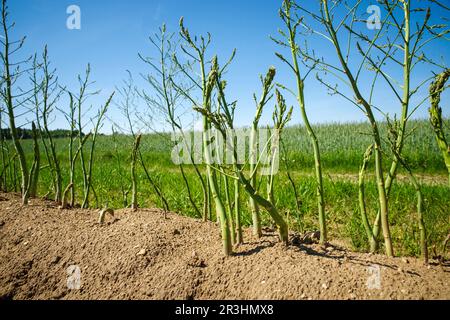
column 113, row 32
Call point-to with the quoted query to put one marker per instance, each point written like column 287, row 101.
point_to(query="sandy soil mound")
column 143, row 256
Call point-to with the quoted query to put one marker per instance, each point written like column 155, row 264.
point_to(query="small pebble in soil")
column 141, row 252
column 57, row 295
column 56, row 259
column 196, row 262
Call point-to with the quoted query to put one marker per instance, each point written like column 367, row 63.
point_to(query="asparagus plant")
column 97, row 125
column 298, row 201
column 267, row 84
column 34, row 172
column 4, row 174
column 436, row 89
column 207, row 83
column 291, row 25
column 72, row 158
column 9, row 79
column 394, row 129
column 281, row 116
column 122, row 178
column 46, row 94
column 80, row 99
column 134, row 158
column 234, row 217
column 72, row 152
column 37, row 85
column 237, row 210
column 404, row 49
column 166, row 99
column 362, row 200
column 224, row 122
column 127, row 106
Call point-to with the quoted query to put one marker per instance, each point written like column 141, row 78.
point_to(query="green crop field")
column 342, row 146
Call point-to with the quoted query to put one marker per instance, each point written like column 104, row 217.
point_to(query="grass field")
column 342, row 146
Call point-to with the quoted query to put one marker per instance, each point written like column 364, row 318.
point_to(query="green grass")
column 342, row 146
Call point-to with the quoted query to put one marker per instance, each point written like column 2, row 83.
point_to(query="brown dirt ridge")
column 141, row 255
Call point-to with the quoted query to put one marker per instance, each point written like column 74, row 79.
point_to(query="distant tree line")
column 28, row 134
